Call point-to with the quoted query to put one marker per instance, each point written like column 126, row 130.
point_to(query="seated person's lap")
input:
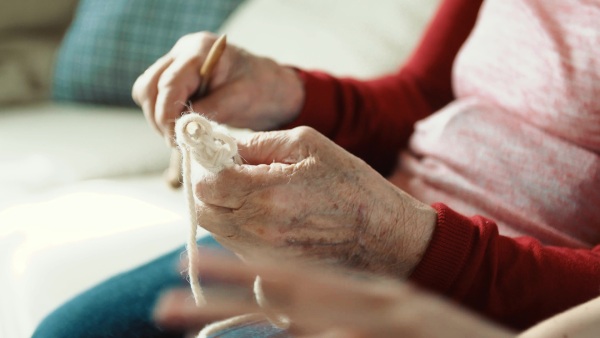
column 122, row 305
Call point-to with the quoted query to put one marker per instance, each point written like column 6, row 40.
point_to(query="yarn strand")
column 208, row 144
column 192, row 247
column 200, row 140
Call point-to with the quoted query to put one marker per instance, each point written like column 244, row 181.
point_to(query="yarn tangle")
column 209, row 145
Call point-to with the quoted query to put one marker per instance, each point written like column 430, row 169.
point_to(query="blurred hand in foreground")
column 323, row 304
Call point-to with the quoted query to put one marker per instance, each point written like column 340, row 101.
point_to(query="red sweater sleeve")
column 373, row 119
column 515, row 281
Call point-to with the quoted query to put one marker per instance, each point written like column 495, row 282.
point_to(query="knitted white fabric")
column 209, row 145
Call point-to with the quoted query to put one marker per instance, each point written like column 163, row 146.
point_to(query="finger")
column 336, row 333
column 181, row 79
column 250, row 250
column 318, row 286
column 175, row 85
column 232, row 187
column 252, row 228
column 145, row 89
column 176, row 309
column 321, row 300
column 149, row 79
column 230, row 270
column 217, row 220
column 260, row 221
column 286, row 146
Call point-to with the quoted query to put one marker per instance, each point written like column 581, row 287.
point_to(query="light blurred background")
column 81, row 192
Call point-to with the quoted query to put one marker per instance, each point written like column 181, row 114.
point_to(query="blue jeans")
column 122, row 306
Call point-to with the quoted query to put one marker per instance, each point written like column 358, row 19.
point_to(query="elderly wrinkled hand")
column 322, row 303
column 244, row 91
column 300, row 195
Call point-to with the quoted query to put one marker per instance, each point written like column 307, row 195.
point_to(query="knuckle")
column 167, row 79
column 224, row 183
column 216, row 219
column 207, row 37
column 139, row 89
column 217, row 190
column 194, row 40
column 177, row 75
column 186, row 39
column 304, row 133
column 138, row 84
column 205, row 192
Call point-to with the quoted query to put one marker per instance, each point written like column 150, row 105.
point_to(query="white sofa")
column 81, row 192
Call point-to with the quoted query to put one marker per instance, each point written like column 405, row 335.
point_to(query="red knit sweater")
column 515, row 281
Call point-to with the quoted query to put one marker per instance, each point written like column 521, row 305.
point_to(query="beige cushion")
column 345, row 37
column 30, row 31
column 36, row 14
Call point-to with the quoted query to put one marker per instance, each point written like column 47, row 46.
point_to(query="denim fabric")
column 256, row 329
column 122, row 306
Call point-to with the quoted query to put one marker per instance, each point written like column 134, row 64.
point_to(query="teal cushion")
column 111, row 42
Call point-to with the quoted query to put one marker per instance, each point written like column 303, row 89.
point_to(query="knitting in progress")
column 208, row 144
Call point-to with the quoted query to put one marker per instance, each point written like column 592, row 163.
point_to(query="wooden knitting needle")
column 173, row 174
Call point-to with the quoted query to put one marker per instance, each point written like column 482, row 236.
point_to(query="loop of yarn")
column 209, row 144
column 279, row 320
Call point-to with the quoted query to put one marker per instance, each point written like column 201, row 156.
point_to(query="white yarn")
column 215, row 327
column 278, row 320
column 203, row 141
column 209, row 144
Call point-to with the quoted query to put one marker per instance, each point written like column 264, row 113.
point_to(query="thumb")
column 283, row 146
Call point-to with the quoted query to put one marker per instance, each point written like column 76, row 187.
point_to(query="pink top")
column 510, row 132
column 520, row 143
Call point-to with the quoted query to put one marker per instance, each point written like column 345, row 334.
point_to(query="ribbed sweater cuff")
column 447, row 253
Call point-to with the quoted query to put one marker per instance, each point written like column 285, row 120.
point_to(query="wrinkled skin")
column 297, row 194
column 244, row 91
column 300, row 195
column 323, row 304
